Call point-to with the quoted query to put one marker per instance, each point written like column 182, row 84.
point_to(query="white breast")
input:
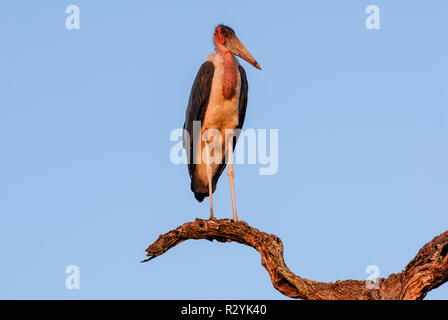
column 222, row 113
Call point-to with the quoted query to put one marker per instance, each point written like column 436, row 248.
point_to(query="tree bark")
column 428, row 270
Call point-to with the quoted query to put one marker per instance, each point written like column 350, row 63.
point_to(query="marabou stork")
column 217, row 107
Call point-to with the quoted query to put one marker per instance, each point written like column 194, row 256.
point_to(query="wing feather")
column 243, row 102
column 197, row 105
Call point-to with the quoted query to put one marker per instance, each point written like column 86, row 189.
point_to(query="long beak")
column 237, row 48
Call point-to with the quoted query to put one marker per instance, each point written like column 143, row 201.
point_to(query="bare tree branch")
column 428, row 270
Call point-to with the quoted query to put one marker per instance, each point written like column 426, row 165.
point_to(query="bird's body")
column 217, row 107
column 222, row 113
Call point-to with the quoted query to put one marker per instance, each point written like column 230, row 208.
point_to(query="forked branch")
column 428, row 270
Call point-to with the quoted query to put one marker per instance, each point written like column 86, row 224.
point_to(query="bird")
column 215, row 115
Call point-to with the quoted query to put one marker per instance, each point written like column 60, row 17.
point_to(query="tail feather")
column 195, row 188
column 200, row 196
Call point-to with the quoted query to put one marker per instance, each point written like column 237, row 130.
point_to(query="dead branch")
column 428, row 270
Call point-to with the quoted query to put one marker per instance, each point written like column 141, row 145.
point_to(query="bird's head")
column 225, row 39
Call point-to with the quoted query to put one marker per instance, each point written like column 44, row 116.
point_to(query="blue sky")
column 86, row 116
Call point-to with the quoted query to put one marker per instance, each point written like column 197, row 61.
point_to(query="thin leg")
column 209, row 178
column 231, row 174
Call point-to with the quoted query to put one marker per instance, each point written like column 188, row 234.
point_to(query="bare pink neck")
column 229, row 77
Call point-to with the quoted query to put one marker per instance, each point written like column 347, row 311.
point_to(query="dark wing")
column 243, row 103
column 241, row 117
column 197, row 105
